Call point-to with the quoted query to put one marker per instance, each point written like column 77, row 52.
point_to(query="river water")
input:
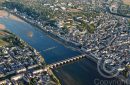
column 83, row 72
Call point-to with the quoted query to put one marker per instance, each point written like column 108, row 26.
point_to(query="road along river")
column 83, row 72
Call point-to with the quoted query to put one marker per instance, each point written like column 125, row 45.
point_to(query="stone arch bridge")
column 66, row 61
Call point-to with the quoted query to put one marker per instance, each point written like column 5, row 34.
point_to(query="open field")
column 15, row 18
column 2, row 27
column 3, row 13
column 6, row 14
column 3, row 43
column 126, row 2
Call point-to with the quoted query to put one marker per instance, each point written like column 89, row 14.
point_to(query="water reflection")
column 30, row 34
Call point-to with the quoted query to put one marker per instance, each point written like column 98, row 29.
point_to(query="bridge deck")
column 66, row 61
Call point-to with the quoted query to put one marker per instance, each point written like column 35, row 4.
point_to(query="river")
column 83, row 72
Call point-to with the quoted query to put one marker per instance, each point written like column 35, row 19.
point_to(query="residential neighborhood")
column 100, row 28
column 20, row 64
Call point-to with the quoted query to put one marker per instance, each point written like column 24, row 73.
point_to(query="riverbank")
column 2, row 27
column 42, row 61
column 58, row 39
column 79, row 73
column 24, row 53
column 55, row 37
column 50, row 34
